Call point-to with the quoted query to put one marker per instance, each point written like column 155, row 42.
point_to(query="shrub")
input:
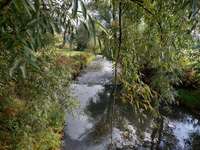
column 32, row 110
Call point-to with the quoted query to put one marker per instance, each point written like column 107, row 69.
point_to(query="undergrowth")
column 32, row 110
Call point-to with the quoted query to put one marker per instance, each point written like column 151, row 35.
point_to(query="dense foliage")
column 32, row 110
column 150, row 41
column 34, row 76
column 155, row 49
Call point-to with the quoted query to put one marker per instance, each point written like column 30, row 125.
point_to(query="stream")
column 88, row 127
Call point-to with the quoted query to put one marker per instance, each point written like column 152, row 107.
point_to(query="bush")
column 32, row 110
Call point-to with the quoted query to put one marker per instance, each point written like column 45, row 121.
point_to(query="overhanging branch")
column 139, row 3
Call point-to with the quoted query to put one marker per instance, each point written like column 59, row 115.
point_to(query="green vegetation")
column 34, row 73
column 151, row 41
column 189, row 98
column 32, row 111
column 85, row 57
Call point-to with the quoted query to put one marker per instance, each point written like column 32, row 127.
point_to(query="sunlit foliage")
column 155, row 36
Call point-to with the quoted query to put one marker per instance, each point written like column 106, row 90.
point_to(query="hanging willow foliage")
column 26, row 26
column 155, row 35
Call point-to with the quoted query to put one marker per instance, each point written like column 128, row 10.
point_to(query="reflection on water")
column 89, row 128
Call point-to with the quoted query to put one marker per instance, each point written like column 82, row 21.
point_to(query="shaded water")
column 89, row 128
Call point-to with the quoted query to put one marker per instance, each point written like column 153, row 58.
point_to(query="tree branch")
column 139, row 3
column 5, row 4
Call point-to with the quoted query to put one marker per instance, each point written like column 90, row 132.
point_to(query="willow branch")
column 139, row 3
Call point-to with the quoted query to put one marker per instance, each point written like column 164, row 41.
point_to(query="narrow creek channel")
column 89, row 128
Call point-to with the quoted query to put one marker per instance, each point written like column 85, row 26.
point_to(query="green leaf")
column 101, row 27
column 30, row 3
column 23, row 70
column 17, row 5
column 100, row 45
column 84, row 10
column 75, row 8
column 14, row 67
column 92, row 23
column 27, row 8
column 86, row 27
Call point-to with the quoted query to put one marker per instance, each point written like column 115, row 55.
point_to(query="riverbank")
column 190, row 99
column 91, row 128
column 33, row 109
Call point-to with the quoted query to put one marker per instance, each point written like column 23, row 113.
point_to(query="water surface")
column 89, row 128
